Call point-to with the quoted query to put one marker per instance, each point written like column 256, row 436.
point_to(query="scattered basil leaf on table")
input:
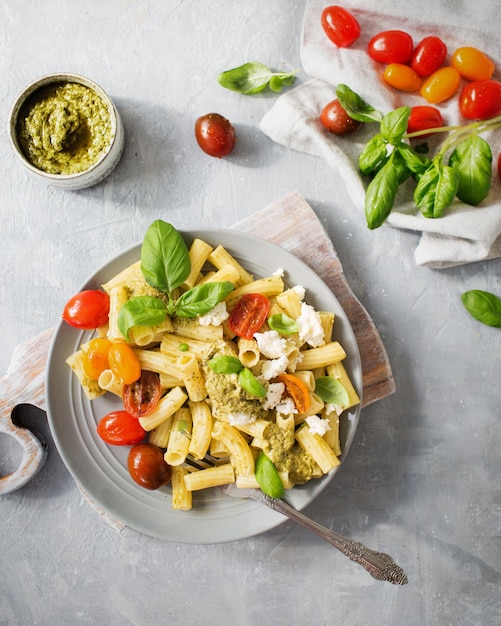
column 483, row 306
column 331, row 390
column 141, row 311
column 251, row 78
column 268, row 477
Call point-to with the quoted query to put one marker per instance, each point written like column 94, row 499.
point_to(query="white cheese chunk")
column 318, row 425
column 310, row 326
column 215, row 317
column 270, row 344
column 240, row 419
column 274, row 367
column 273, row 395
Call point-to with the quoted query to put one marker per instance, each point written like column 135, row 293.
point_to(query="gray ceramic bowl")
column 99, row 169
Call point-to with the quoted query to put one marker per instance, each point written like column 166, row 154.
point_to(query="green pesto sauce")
column 64, row 128
column 287, row 454
column 230, row 398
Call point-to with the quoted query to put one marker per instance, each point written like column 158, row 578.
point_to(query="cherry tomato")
column 124, row 363
column 423, row 117
column 481, row 100
column 402, row 77
column 87, row 310
column 118, row 428
column 472, row 63
column 215, row 135
column 335, row 119
column 441, row 85
column 428, row 56
column 249, row 315
column 297, row 390
column 95, row 359
column 340, row 26
column 141, row 397
column 391, row 46
column 499, row 165
column 147, row 466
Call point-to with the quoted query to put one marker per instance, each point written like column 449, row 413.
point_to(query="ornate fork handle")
column 379, row 564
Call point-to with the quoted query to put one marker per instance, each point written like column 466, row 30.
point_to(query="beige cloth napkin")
column 465, row 234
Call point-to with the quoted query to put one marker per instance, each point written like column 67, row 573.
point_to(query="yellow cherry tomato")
column 95, row 359
column 472, row 63
column 124, row 363
column 402, row 77
column 441, row 85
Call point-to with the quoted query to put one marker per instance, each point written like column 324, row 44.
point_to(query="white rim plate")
column 101, row 470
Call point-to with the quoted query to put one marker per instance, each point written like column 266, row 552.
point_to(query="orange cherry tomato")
column 118, row 428
column 472, row 63
column 249, row 315
column 402, row 77
column 428, row 56
column 297, row 390
column 124, row 363
column 423, row 117
column 441, row 85
column 141, row 397
column 147, row 466
column 95, row 359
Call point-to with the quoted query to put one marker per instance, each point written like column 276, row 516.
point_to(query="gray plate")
column 101, row 470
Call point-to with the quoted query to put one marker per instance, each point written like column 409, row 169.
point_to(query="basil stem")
column 472, row 160
column 268, row 477
column 331, row 390
column 483, row 306
column 252, row 78
column 141, row 311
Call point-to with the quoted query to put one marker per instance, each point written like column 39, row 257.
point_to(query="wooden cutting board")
column 292, row 224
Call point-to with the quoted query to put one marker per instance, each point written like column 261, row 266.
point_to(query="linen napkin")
column 464, row 234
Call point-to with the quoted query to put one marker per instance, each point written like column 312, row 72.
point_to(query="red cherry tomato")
column 499, row 165
column 118, row 428
column 249, row 315
column 391, row 46
column 472, row 64
column 402, row 77
column 95, row 359
column 441, row 85
column 481, row 100
column 335, row 119
column 141, row 397
column 87, row 310
column 124, row 363
column 340, row 26
column 423, row 117
column 428, row 56
column 147, row 466
column 215, row 135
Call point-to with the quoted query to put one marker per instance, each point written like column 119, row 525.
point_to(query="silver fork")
column 379, row 564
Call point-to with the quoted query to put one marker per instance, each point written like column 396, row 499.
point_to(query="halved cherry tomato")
column 95, row 359
column 402, row 77
column 124, row 363
column 215, row 135
column 340, row 26
column 423, row 117
column 297, row 390
column 249, row 315
column 118, row 428
column 472, row 63
column 391, row 46
column 147, row 466
column 428, row 56
column 87, row 309
column 141, row 397
column 335, row 119
column 481, row 100
column 441, row 85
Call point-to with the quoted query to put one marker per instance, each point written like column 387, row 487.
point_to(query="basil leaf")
column 201, row 299
column 394, row 125
column 141, row 311
column 436, row 189
column 165, row 261
column 225, row 364
column 268, row 477
column 472, row 159
column 381, row 193
column 484, row 306
column 250, row 383
column 373, row 156
column 355, row 106
column 414, row 161
column 331, row 390
column 251, row 78
column 283, row 324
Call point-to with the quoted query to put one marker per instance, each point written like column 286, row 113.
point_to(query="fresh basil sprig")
column 141, row 311
column 483, row 306
column 331, row 390
column 227, row 364
column 472, row 160
column 268, row 477
column 251, row 78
